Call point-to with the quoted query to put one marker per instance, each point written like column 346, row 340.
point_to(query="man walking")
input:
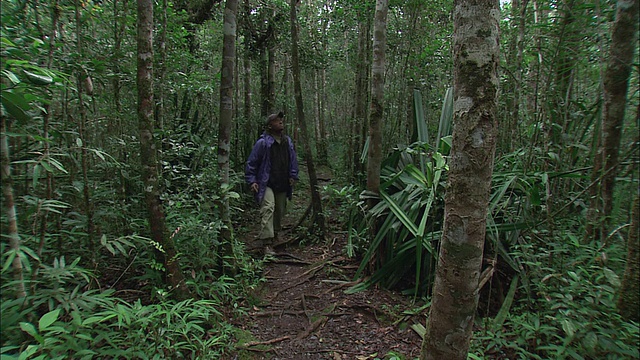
column 271, row 170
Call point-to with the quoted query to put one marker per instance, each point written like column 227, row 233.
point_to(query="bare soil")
column 302, row 311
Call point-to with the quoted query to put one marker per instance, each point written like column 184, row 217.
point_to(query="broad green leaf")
column 30, row 350
column 11, row 76
column 47, row 319
column 569, row 327
column 10, row 102
column 29, row 329
column 612, row 277
column 37, row 79
column 11, row 254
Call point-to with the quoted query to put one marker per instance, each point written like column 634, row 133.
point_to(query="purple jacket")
column 258, row 165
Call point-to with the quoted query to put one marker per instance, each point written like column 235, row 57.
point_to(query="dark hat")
column 272, row 117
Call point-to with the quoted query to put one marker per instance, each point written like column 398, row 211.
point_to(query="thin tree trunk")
column 323, row 153
column 377, row 100
column 162, row 69
column 271, row 79
column 10, row 211
column 264, row 83
column 148, row 157
column 316, row 203
column 226, row 118
column 82, row 79
column 455, row 290
column 248, row 126
column 46, row 119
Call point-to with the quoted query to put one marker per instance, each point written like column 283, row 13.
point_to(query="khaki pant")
column 272, row 211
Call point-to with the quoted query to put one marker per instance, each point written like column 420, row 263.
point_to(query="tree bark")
column 81, row 78
column 148, row 157
column 10, row 211
column 360, row 98
column 271, row 79
column 160, row 111
column 226, row 118
column 616, row 85
column 455, row 291
column 629, row 296
column 374, row 156
column 316, row 203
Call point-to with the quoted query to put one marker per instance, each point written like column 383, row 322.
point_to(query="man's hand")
column 254, row 187
column 292, row 181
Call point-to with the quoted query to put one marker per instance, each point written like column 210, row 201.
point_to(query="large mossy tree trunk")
column 616, row 85
column 374, row 156
column 226, row 119
column 455, row 290
column 148, row 156
column 318, row 224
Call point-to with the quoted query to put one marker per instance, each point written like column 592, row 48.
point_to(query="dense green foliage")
column 94, row 284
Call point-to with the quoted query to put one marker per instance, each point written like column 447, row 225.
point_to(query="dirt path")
column 302, row 311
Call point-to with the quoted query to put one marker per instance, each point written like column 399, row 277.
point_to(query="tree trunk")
column 264, row 83
column 359, row 99
column 82, row 78
column 10, row 211
column 271, row 79
column 616, row 84
column 377, row 99
column 455, row 291
column 629, row 296
column 248, row 125
column 226, row 119
column 162, row 69
column 323, row 152
column 148, row 157
column 316, row 203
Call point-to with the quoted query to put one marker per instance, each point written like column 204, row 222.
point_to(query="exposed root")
column 312, row 328
column 248, row 345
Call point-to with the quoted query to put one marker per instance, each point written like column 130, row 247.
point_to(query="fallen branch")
column 249, row 344
column 289, row 261
column 278, row 313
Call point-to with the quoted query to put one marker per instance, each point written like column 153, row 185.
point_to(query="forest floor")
column 301, row 310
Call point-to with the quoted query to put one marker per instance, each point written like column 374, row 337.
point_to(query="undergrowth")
column 568, row 309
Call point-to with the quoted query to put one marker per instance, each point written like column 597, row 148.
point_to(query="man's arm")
column 253, row 163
